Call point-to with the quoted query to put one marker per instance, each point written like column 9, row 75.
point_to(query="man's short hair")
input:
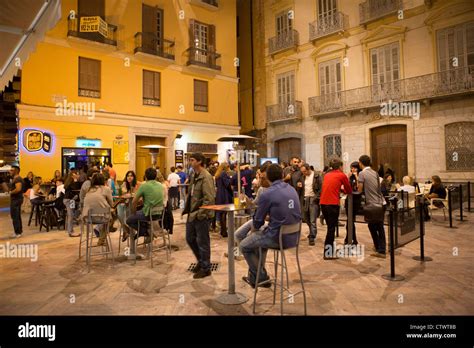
column 265, row 166
column 335, row 163
column 150, row 174
column 15, row 167
column 365, row 160
column 179, row 167
column 172, row 169
column 198, row 156
column 307, row 166
column 274, row 172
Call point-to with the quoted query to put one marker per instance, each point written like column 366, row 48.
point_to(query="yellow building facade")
column 163, row 72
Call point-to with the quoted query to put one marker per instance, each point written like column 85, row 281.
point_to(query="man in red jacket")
column 332, row 182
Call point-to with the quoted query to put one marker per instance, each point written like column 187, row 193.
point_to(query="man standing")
column 183, row 180
column 201, row 192
column 173, row 193
column 369, row 183
column 16, row 200
column 292, row 173
column 280, row 201
column 333, row 180
column 111, row 170
column 309, row 189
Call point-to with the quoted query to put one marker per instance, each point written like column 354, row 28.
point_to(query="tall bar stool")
column 122, row 219
column 36, row 212
column 285, row 230
column 99, row 216
column 155, row 229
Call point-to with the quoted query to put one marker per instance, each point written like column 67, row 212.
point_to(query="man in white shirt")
column 173, row 193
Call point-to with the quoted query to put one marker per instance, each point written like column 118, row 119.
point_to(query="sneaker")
column 202, row 274
column 14, row 235
column 265, row 285
column 311, row 242
column 74, row 234
column 377, row 254
column 330, row 257
column 101, row 242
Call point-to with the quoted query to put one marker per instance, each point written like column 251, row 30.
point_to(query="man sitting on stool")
column 281, row 202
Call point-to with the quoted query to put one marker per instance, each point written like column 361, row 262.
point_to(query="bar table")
column 232, row 297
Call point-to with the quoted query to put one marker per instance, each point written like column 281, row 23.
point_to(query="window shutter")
column 91, row 8
column 191, row 33
column 157, row 78
column 148, row 84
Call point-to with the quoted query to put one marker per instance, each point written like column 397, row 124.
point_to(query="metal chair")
column 155, row 228
column 122, row 219
column 285, row 230
column 445, row 207
column 98, row 217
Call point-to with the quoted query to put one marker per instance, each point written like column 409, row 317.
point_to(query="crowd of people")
column 311, row 195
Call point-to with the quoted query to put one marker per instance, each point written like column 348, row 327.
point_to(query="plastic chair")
column 285, row 230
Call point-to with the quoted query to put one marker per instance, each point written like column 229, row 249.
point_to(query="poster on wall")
column 120, row 152
column 179, row 158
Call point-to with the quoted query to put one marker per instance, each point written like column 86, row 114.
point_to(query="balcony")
column 431, row 86
column 203, row 58
column 150, row 43
column 212, row 5
column 110, row 38
column 285, row 112
column 284, row 41
column 372, row 10
column 327, row 25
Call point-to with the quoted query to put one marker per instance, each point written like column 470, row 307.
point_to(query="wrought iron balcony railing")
column 371, row 10
column 285, row 112
column 430, row 86
column 74, row 30
column 153, row 44
column 326, row 25
column 211, row 2
column 204, row 58
column 287, row 39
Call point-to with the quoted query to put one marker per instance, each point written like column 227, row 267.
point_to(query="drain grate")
column 215, row 266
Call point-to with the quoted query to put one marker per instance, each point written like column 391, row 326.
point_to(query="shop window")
column 200, row 95
column 151, row 88
column 89, row 77
column 459, row 140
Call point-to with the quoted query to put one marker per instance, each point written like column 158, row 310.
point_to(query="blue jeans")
column 139, row 219
column 244, row 230
column 310, row 214
column 250, row 246
column 197, row 237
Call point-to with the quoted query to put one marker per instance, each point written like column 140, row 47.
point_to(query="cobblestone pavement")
column 58, row 284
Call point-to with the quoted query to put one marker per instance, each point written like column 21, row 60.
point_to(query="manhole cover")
column 214, row 266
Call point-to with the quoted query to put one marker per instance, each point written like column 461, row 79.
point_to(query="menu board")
column 179, row 158
column 120, row 152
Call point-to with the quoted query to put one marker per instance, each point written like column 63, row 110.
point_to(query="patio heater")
column 239, row 152
column 154, row 151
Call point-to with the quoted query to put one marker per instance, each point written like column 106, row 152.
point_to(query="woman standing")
column 223, row 194
column 72, row 186
column 353, row 180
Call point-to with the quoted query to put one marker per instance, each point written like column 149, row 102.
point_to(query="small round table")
column 232, row 297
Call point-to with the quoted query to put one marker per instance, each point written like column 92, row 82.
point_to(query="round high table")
column 232, row 297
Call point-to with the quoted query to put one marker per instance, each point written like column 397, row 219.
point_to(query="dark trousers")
column 377, row 232
column 173, row 197
column 15, row 213
column 197, row 237
column 310, row 214
column 331, row 215
column 139, row 219
column 222, row 218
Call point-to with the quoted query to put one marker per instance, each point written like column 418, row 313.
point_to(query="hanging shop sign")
column 178, row 158
column 35, row 140
column 94, row 24
column 88, row 143
column 120, row 152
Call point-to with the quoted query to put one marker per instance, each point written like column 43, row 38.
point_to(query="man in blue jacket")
column 281, row 203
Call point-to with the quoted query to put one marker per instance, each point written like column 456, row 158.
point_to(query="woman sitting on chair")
column 437, row 191
column 99, row 196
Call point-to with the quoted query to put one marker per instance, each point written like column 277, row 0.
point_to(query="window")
column 332, row 148
column 459, row 140
column 200, row 95
column 385, row 67
column 286, row 88
column 327, row 10
column 203, row 42
column 89, row 77
column 151, row 88
column 455, row 46
column 283, row 23
column 330, row 83
column 152, row 28
column 211, row 2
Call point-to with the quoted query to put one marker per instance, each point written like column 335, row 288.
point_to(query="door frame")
column 271, row 150
column 409, row 123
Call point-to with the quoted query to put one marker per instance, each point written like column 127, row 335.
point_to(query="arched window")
column 459, row 139
column 332, row 147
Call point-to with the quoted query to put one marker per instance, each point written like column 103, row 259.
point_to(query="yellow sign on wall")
column 94, row 24
column 120, row 152
column 36, row 140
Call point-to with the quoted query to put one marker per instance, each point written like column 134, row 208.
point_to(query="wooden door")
column 389, row 147
column 143, row 157
column 287, row 148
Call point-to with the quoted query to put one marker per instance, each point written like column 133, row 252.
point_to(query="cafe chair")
column 36, row 212
column 48, row 218
column 445, row 207
column 155, row 230
column 285, row 230
column 98, row 217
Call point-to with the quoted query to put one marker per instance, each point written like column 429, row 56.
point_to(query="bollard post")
column 469, row 196
column 450, row 211
column 392, row 216
column 350, row 218
column 422, row 256
column 460, row 201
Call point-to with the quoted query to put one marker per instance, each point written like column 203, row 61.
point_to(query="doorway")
column 287, row 148
column 143, row 157
column 389, row 146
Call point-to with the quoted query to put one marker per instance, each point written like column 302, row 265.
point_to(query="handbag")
column 374, row 213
